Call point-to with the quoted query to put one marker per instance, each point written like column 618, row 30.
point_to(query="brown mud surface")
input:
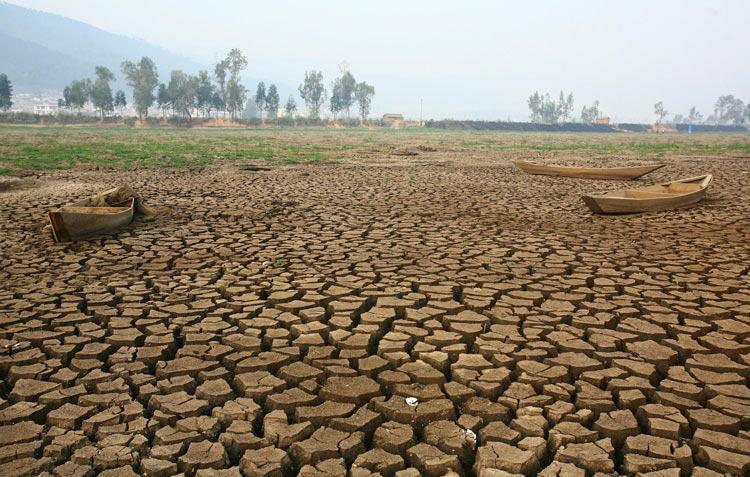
column 283, row 320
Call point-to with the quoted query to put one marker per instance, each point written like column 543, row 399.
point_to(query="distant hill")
column 32, row 67
column 41, row 50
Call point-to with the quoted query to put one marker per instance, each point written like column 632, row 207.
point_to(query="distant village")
column 46, row 103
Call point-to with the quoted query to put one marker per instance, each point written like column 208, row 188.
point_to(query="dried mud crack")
column 395, row 320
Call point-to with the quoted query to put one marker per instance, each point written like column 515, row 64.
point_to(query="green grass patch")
column 58, row 148
column 40, row 148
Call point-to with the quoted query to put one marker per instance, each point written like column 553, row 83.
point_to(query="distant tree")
column 205, row 93
column 60, row 104
column 236, row 63
column 232, row 92
column 348, row 86
column 182, row 88
column 679, row 119
column 336, row 103
column 722, row 106
column 313, row 92
column 348, row 90
column 250, row 111
column 291, row 106
column 561, row 106
column 66, row 102
column 143, row 77
column 737, row 113
column 163, row 99
column 260, row 98
column 120, row 101
column 101, row 93
column 660, row 111
column 565, row 106
column 236, row 95
column 747, row 112
column 6, row 92
column 589, row 115
column 586, row 115
column 535, row 106
column 78, row 93
column 544, row 109
column 220, row 72
column 363, row 94
column 217, row 101
column 550, row 110
column 272, row 101
column 729, row 109
column 694, row 116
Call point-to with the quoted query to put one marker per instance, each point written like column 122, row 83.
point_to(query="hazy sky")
column 468, row 59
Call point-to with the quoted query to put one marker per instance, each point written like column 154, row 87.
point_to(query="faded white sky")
column 469, row 59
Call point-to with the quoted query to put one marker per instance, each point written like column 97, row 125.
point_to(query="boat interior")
column 661, row 191
column 122, row 207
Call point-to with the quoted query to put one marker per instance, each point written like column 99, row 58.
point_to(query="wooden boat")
column 670, row 195
column 610, row 173
column 88, row 217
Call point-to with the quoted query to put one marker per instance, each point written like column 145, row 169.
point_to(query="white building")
column 45, row 107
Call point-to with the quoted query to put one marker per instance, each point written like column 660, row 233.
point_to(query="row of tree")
column 727, row 110
column 268, row 101
column 184, row 94
column 546, row 110
column 345, row 92
column 80, row 92
column 589, row 114
column 543, row 109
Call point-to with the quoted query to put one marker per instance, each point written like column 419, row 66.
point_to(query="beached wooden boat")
column 610, row 173
column 88, row 217
column 670, row 195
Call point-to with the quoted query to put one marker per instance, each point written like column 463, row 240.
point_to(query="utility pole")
column 421, row 103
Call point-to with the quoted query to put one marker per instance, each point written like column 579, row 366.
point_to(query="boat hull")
column 604, row 173
column 78, row 221
column 650, row 199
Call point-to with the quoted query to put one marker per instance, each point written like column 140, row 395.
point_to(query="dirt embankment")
column 575, row 127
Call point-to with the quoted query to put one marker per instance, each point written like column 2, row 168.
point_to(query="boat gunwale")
column 110, row 210
column 668, row 195
column 579, row 172
column 586, row 168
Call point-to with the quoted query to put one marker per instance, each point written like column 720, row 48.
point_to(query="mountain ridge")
column 40, row 50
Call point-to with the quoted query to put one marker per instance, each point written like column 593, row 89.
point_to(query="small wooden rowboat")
column 610, row 173
column 85, row 217
column 670, row 195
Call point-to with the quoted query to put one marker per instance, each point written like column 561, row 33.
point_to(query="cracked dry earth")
column 280, row 322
